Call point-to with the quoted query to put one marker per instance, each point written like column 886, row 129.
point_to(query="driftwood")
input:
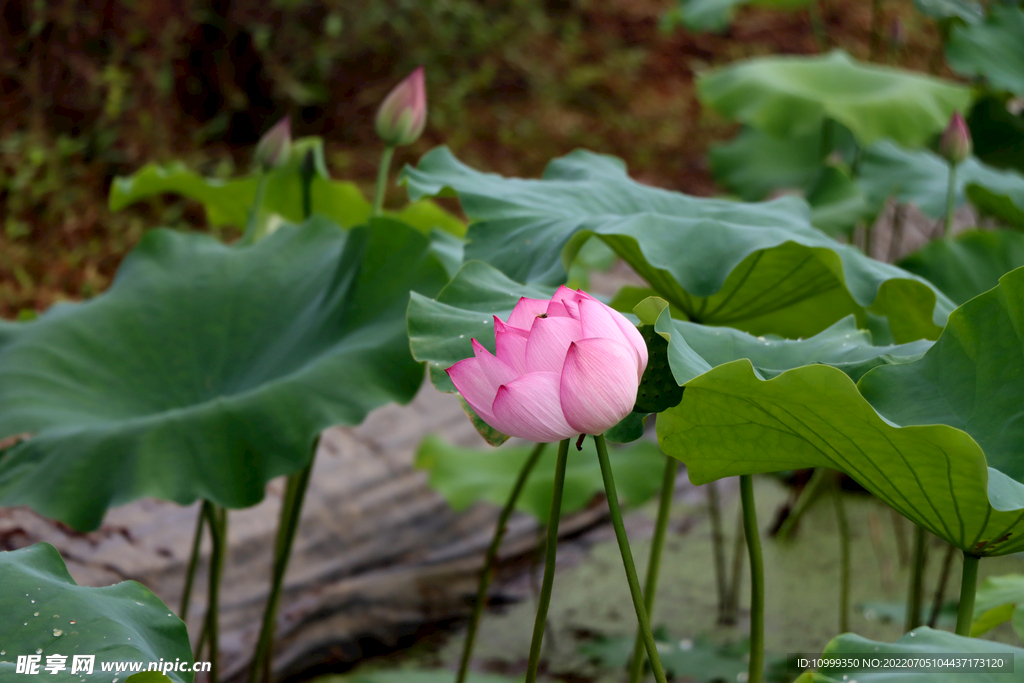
column 378, row 555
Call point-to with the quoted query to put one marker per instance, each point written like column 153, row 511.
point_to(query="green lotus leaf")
column 206, row 370
column 792, row 96
column 921, row 642
column 47, row 613
column 970, row 12
column 991, row 50
column 227, row 202
column 716, row 15
column 921, row 178
column 758, row 267
column 753, row 164
column 998, row 133
column 467, row 475
column 969, row 263
column 996, row 602
column 934, row 438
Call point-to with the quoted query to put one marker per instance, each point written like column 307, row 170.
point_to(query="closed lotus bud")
column 897, row 34
column 565, row 366
column 955, row 145
column 403, row 114
column 275, row 146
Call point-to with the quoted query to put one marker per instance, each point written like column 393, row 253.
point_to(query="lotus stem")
column 968, row 588
column 252, row 232
column 844, row 553
column 916, row 590
column 193, row 563
column 818, row 25
column 627, row 559
column 947, row 230
column 668, row 489
column 491, row 557
column 550, row 552
column 739, row 541
column 382, row 180
column 876, row 30
column 718, row 548
column 756, row 579
column 217, row 519
column 288, row 524
column 940, row 590
column 803, row 501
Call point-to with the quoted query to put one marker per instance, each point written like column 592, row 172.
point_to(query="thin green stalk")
column 627, row 559
column 940, row 589
column 818, row 25
column 876, row 30
column 756, row 579
column 844, row 552
column 217, row 519
column 193, row 563
column 382, row 180
column 803, row 501
column 947, row 230
column 668, row 488
column 550, row 552
column 291, row 512
column 916, row 590
column 968, row 588
column 732, row 614
column 491, row 557
column 718, row 549
column 252, row 232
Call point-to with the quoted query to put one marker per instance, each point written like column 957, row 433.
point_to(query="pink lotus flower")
column 403, row 113
column 955, row 144
column 565, row 366
column 276, row 144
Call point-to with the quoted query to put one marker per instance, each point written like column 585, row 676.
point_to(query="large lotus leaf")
column 46, row 613
column 716, row 15
column 921, row 177
column 753, row 164
column 206, row 370
column 992, row 50
column 758, row 267
column 792, row 96
column 969, row 263
column 227, row 202
column 922, row 642
column 939, row 440
column 998, row 133
column 971, row 12
column 468, row 475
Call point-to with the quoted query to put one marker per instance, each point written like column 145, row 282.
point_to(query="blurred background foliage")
column 92, row 89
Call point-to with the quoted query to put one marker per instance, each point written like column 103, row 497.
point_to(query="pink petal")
column 478, row 379
column 526, row 311
column 558, row 309
column 598, row 384
column 570, row 299
column 548, row 342
column 529, row 407
column 510, row 346
column 601, row 321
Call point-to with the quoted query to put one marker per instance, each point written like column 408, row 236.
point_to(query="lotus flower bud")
column 565, row 366
column 897, row 34
column 403, row 114
column 955, row 144
column 275, row 146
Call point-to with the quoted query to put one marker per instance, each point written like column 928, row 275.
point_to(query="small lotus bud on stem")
column 275, row 146
column 955, row 144
column 403, row 114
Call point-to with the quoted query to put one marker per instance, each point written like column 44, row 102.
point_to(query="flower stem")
column 252, row 230
column 950, row 201
column 627, row 559
column 491, row 557
column 844, row 553
column 382, row 180
column 718, row 550
column 818, row 25
column 940, row 589
column 739, row 541
column 550, row 552
column 968, row 588
column 668, row 488
column 193, row 563
column 916, row 590
column 217, row 519
column 756, row 579
column 291, row 512
column 808, row 495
